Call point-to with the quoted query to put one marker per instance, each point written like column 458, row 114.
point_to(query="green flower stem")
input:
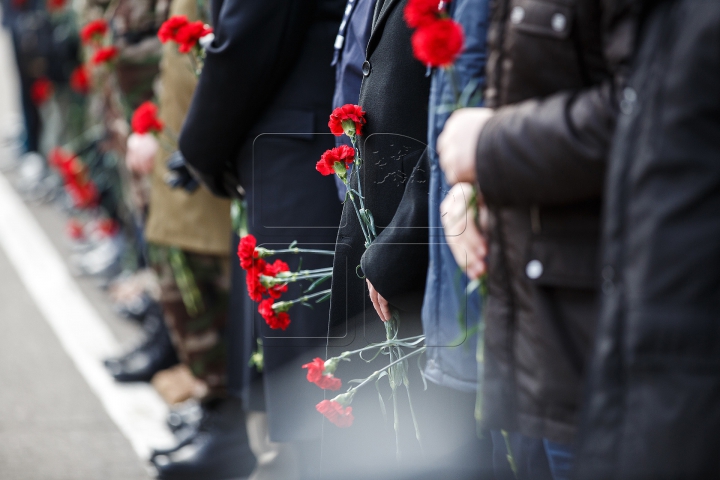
column 363, row 226
column 387, row 343
column 284, row 306
column 377, row 373
column 268, row 281
column 264, row 252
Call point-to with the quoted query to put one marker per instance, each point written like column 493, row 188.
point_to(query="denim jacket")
column 450, row 316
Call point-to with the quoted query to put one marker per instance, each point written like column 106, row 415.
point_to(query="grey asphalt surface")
column 52, row 426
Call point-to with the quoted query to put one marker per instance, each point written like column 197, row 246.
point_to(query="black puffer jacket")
column 552, row 75
column 654, row 405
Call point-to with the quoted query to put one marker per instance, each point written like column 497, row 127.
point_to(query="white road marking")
column 137, row 409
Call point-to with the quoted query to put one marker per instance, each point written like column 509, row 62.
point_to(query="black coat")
column 394, row 94
column 552, row 73
column 653, row 410
column 259, row 115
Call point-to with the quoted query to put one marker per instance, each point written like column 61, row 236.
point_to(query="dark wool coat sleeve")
column 256, row 45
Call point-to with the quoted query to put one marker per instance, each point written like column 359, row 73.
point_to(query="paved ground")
column 54, row 425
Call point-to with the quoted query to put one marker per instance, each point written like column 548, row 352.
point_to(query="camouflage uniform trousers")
column 194, row 296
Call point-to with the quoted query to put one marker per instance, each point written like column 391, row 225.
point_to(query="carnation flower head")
column 252, row 279
column 272, row 270
column 104, row 55
column 189, row 35
column 275, row 320
column 336, row 413
column 63, row 161
column 41, row 90
column 169, row 29
column 246, row 251
column 80, row 80
column 55, row 5
column 145, row 119
column 439, row 43
column 317, row 375
column 336, row 160
column 419, row 13
column 83, row 193
column 75, row 229
column 93, row 31
column 347, row 120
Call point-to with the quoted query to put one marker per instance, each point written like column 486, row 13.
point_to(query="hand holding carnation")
column 141, row 151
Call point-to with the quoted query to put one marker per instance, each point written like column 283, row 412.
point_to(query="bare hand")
column 466, row 243
column 382, row 307
column 457, row 143
column 141, row 151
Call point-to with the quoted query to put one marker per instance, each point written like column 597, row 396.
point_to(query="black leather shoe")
column 219, row 450
column 154, row 354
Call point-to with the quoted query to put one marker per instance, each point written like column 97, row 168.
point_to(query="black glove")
column 179, row 175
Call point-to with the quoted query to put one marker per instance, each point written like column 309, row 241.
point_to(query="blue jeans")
column 560, row 458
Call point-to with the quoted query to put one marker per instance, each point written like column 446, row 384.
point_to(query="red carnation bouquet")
column 345, row 162
column 76, row 180
column 266, row 282
column 189, row 36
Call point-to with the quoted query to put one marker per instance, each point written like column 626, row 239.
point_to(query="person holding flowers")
column 252, row 129
column 536, row 154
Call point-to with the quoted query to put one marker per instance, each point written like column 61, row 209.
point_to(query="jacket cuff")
column 488, row 173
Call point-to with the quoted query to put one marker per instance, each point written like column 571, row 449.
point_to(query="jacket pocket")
column 563, row 261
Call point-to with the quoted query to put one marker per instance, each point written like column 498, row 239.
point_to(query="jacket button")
column 627, row 103
column 517, row 15
column 534, row 269
column 558, row 22
column 366, row 67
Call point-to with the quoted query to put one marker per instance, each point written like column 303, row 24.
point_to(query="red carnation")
column 347, row 119
column 74, row 229
column 252, row 279
column 41, row 90
column 80, row 80
column 439, row 43
column 93, row 31
column 145, row 119
column 189, row 35
column 336, row 413
column 83, row 193
column 419, row 13
column 54, row 5
column 104, row 55
column 316, row 374
column 246, row 251
column 272, row 270
column 275, row 320
column 108, row 227
column 63, row 161
column 169, row 29
column 336, row 160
